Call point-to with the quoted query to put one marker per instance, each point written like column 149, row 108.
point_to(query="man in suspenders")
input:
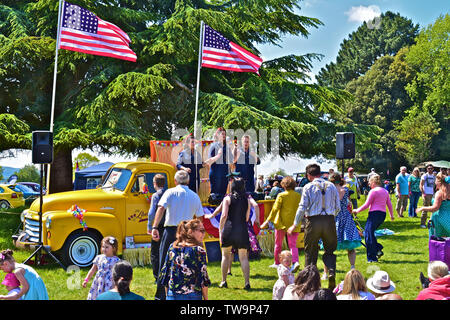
column 318, row 206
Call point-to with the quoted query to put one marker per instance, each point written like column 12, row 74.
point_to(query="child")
column 12, row 284
column 32, row 287
column 285, row 275
column 103, row 265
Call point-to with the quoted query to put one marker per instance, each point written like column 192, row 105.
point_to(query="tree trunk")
column 61, row 172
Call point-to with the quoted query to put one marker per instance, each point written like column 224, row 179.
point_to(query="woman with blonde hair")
column 219, row 159
column 440, row 219
column 439, row 287
column 377, row 200
column 414, row 192
column 354, row 287
column 282, row 216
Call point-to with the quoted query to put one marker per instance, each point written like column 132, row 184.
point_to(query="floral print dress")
column 184, row 270
column 103, row 280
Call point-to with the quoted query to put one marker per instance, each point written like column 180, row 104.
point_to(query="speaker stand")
column 37, row 252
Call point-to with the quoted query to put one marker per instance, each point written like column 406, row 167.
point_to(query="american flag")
column 220, row 53
column 82, row 31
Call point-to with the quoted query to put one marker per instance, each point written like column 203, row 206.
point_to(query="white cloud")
column 362, row 13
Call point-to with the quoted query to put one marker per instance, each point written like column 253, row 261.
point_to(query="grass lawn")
column 405, row 256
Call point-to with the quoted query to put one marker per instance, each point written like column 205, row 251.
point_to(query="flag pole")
column 200, row 46
column 55, row 72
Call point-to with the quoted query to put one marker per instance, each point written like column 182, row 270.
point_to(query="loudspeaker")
column 345, row 145
column 42, row 147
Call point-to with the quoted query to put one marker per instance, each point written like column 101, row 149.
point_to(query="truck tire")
column 80, row 248
column 4, row 205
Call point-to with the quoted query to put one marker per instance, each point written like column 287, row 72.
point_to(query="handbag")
column 439, row 249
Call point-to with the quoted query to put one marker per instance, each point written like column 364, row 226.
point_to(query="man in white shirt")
column 180, row 203
column 427, row 182
column 319, row 205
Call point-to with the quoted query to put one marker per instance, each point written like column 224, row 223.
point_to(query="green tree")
column 112, row 104
column 365, row 45
column 85, row 160
column 416, row 132
column 28, row 173
column 430, row 88
column 380, row 99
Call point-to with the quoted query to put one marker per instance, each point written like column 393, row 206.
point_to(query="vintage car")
column 10, row 198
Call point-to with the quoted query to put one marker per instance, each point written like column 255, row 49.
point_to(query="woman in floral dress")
column 184, row 272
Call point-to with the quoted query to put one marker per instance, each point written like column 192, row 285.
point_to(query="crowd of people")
column 324, row 210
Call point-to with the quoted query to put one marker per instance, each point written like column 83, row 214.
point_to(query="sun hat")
column 380, row 283
column 11, row 280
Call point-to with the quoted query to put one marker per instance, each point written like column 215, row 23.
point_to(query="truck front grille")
column 32, row 230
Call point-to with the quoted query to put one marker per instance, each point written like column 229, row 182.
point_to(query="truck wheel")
column 4, row 205
column 80, row 248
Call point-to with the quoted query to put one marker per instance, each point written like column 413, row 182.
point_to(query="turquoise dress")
column 441, row 220
column 37, row 289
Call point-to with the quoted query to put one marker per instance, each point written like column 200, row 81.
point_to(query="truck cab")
column 118, row 208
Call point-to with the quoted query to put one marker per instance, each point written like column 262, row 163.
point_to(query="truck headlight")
column 48, row 223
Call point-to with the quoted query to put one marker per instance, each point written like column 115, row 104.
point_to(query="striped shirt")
column 311, row 201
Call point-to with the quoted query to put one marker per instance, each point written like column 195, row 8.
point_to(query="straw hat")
column 380, row 283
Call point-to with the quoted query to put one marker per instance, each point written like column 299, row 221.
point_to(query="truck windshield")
column 117, row 179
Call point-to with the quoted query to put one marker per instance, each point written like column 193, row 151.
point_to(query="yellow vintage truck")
column 118, row 208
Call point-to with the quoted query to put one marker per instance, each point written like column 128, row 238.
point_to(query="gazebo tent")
column 88, row 178
column 437, row 164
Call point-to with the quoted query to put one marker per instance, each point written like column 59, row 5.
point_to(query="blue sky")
column 342, row 17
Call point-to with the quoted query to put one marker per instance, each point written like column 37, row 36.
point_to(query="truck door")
column 138, row 204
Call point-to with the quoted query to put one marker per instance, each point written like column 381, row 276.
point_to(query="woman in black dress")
column 233, row 231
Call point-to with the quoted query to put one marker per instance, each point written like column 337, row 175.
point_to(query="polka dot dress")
column 347, row 234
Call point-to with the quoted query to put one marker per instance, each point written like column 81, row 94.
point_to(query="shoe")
column 247, row 286
column 230, row 274
column 372, row 261
column 223, row 284
column 380, row 254
column 423, row 226
column 275, row 266
column 295, row 267
column 424, row 281
column 324, row 277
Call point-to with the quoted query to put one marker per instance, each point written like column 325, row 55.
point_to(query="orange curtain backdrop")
column 166, row 151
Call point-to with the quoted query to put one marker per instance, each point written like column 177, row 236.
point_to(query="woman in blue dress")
column 219, row 157
column 245, row 160
column 347, row 234
column 31, row 285
column 190, row 160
